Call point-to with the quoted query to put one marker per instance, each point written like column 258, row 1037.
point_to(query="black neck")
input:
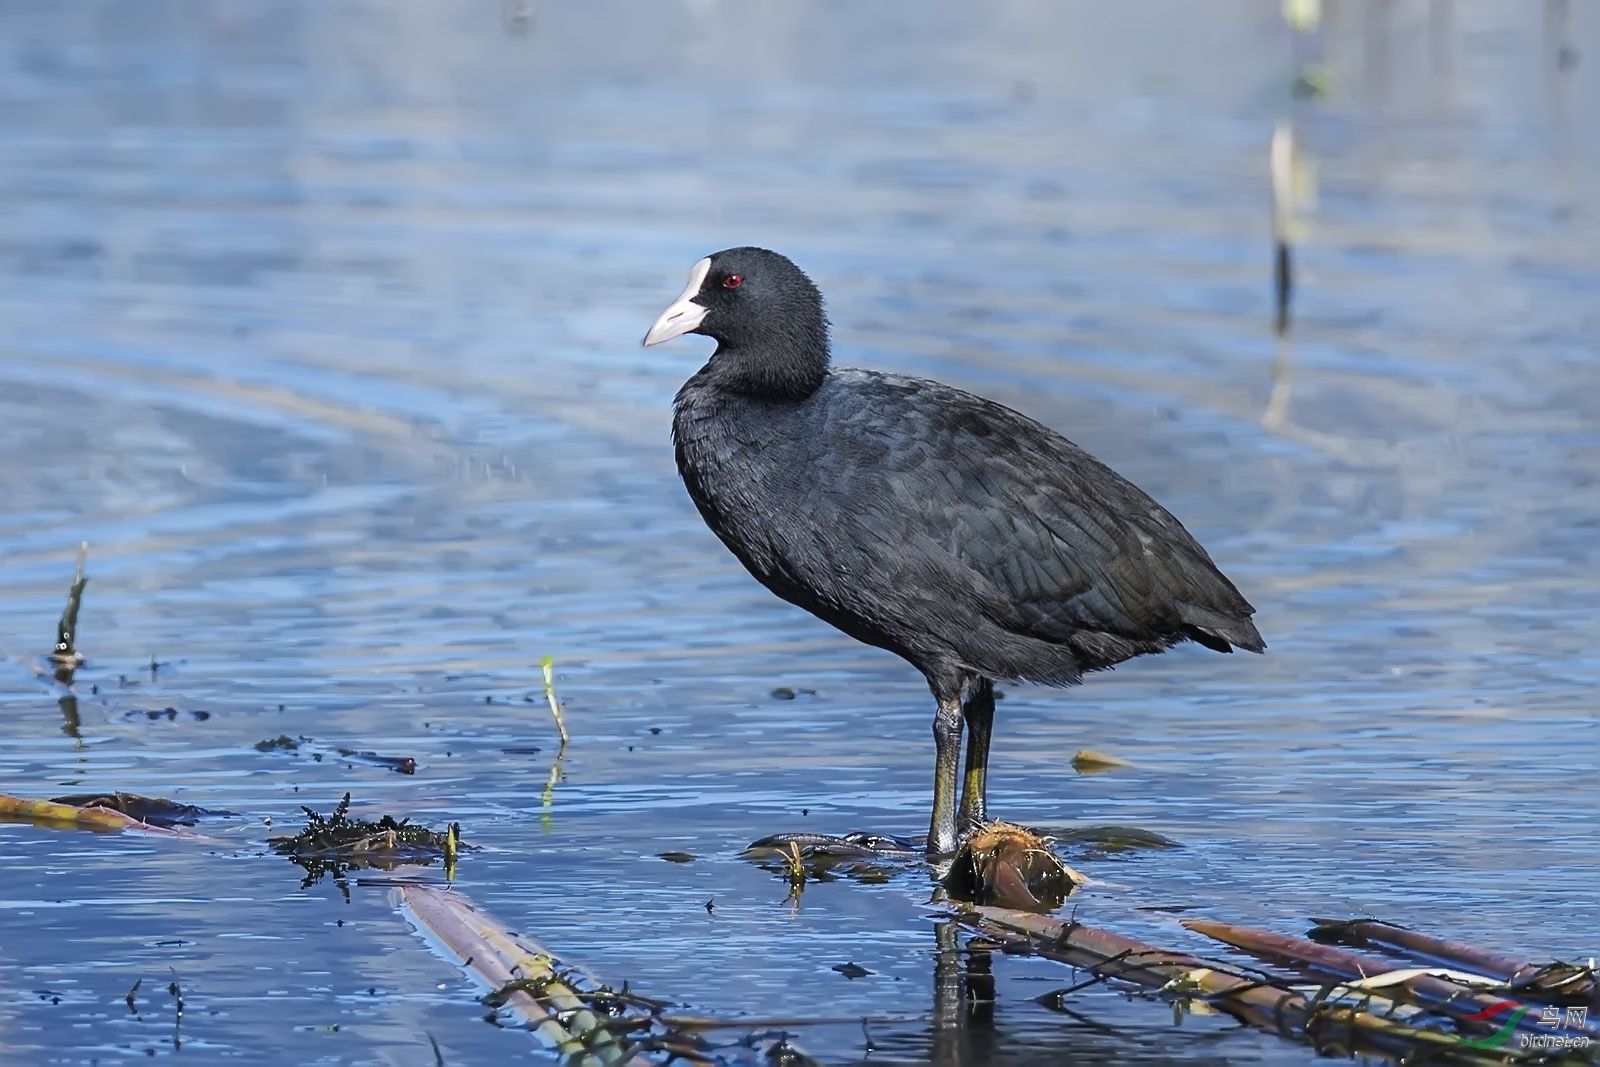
column 786, row 365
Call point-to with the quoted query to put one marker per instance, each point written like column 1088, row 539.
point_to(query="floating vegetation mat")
column 1430, row 999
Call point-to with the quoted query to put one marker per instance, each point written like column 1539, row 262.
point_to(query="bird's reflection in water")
column 72, row 724
column 963, row 998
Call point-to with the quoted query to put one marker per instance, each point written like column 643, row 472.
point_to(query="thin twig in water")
column 548, row 665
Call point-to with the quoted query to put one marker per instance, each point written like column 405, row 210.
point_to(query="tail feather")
column 1221, row 632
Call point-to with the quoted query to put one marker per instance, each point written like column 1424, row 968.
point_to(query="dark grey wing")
column 958, row 517
column 1098, row 555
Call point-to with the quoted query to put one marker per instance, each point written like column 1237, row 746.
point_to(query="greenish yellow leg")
column 978, row 711
column 947, row 752
column 972, row 786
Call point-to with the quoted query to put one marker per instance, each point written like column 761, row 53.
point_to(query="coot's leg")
column 947, row 746
column 978, row 710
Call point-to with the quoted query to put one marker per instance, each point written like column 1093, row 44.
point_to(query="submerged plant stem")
column 65, row 655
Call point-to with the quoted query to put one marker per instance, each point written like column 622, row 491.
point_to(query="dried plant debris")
column 285, row 743
column 1554, row 980
column 1414, row 1011
column 53, row 814
column 1461, row 995
column 337, row 843
column 57, row 815
column 1012, row 866
column 157, row 811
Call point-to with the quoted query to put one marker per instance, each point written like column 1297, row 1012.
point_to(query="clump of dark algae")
column 335, row 844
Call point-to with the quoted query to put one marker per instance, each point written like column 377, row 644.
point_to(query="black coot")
column 946, row 528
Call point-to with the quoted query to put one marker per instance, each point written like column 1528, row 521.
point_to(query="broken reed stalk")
column 526, row 978
column 94, row 817
column 1555, row 980
column 1253, row 998
column 1107, row 955
column 48, row 811
column 586, row 1023
column 548, row 666
column 65, row 655
column 1280, row 167
column 1461, row 996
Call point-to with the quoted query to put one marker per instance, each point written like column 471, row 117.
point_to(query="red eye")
column 732, row 281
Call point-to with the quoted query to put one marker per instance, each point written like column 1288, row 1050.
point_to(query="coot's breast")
column 802, row 494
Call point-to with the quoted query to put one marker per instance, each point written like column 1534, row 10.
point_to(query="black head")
column 764, row 313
